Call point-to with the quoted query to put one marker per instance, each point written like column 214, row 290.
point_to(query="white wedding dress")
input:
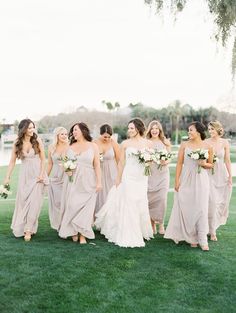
column 124, row 218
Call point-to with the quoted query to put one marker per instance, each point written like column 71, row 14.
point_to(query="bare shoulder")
column 94, row 146
column 225, row 142
column 125, row 143
column 167, row 142
column 207, row 144
column 96, row 141
column 115, row 143
column 183, row 145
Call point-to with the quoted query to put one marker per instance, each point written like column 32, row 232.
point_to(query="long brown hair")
column 161, row 132
column 84, row 130
column 200, row 128
column 139, row 125
column 22, row 129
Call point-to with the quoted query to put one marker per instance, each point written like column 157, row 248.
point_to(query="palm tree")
column 175, row 112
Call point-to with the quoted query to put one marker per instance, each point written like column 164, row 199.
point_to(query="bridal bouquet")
column 5, row 191
column 69, row 165
column 145, row 157
column 101, row 157
column 199, row 154
column 215, row 159
column 162, row 155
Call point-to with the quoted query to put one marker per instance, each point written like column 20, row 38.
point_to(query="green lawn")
column 51, row 275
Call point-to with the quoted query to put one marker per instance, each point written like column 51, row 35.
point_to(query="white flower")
column 195, row 156
column 66, row 165
column 72, row 165
column 147, row 157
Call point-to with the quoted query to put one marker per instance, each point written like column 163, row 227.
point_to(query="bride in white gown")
column 124, row 218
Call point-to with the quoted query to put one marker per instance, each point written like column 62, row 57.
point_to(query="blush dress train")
column 29, row 196
column 189, row 217
column 158, row 186
column 220, row 193
column 79, row 198
column 55, row 191
column 109, row 174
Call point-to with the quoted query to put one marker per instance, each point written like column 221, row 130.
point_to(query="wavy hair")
column 161, row 132
column 22, row 129
column 200, row 129
column 139, row 125
column 84, row 130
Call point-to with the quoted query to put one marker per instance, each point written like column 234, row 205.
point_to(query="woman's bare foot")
column 161, row 229
column 75, row 238
column 193, row 245
column 213, row 237
column 154, row 228
column 205, row 248
column 27, row 236
column 82, row 240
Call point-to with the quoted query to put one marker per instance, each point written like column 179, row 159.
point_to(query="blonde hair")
column 56, row 132
column 218, row 127
column 161, row 132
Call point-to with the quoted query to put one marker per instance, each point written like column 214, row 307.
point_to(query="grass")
column 51, row 275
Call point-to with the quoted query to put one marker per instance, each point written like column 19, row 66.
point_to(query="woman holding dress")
column 124, row 219
column 79, row 195
column 189, row 216
column 158, row 182
column 109, row 152
column 220, row 179
column 56, row 151
column 32, row 180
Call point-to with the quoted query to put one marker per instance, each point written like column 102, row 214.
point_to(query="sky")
column 59, row 55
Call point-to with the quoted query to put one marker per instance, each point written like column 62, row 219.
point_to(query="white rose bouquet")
column 5, row 191
column 199, row 154
column 145, row 157
column 101, row 157
column 69, row 165
column 162, row 155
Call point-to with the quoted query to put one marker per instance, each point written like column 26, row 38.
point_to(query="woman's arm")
column 121, row 164
column 116, row 149
column 43, row 160
column 228, row 162
column 50, row 161
column 10, row 166
column 167, row 143
column 179, row 166
column 97, row 167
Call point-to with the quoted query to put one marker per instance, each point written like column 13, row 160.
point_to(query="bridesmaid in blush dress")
column 79, row 195
column 32, row 180
column 189, row 217
column 158, row 182
column 220, row 179
column 109, row 157
column 56, row 150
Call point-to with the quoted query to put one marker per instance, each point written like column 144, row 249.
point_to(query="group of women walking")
column 106, row 187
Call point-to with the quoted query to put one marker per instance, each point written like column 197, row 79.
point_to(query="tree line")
column 174, row 118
